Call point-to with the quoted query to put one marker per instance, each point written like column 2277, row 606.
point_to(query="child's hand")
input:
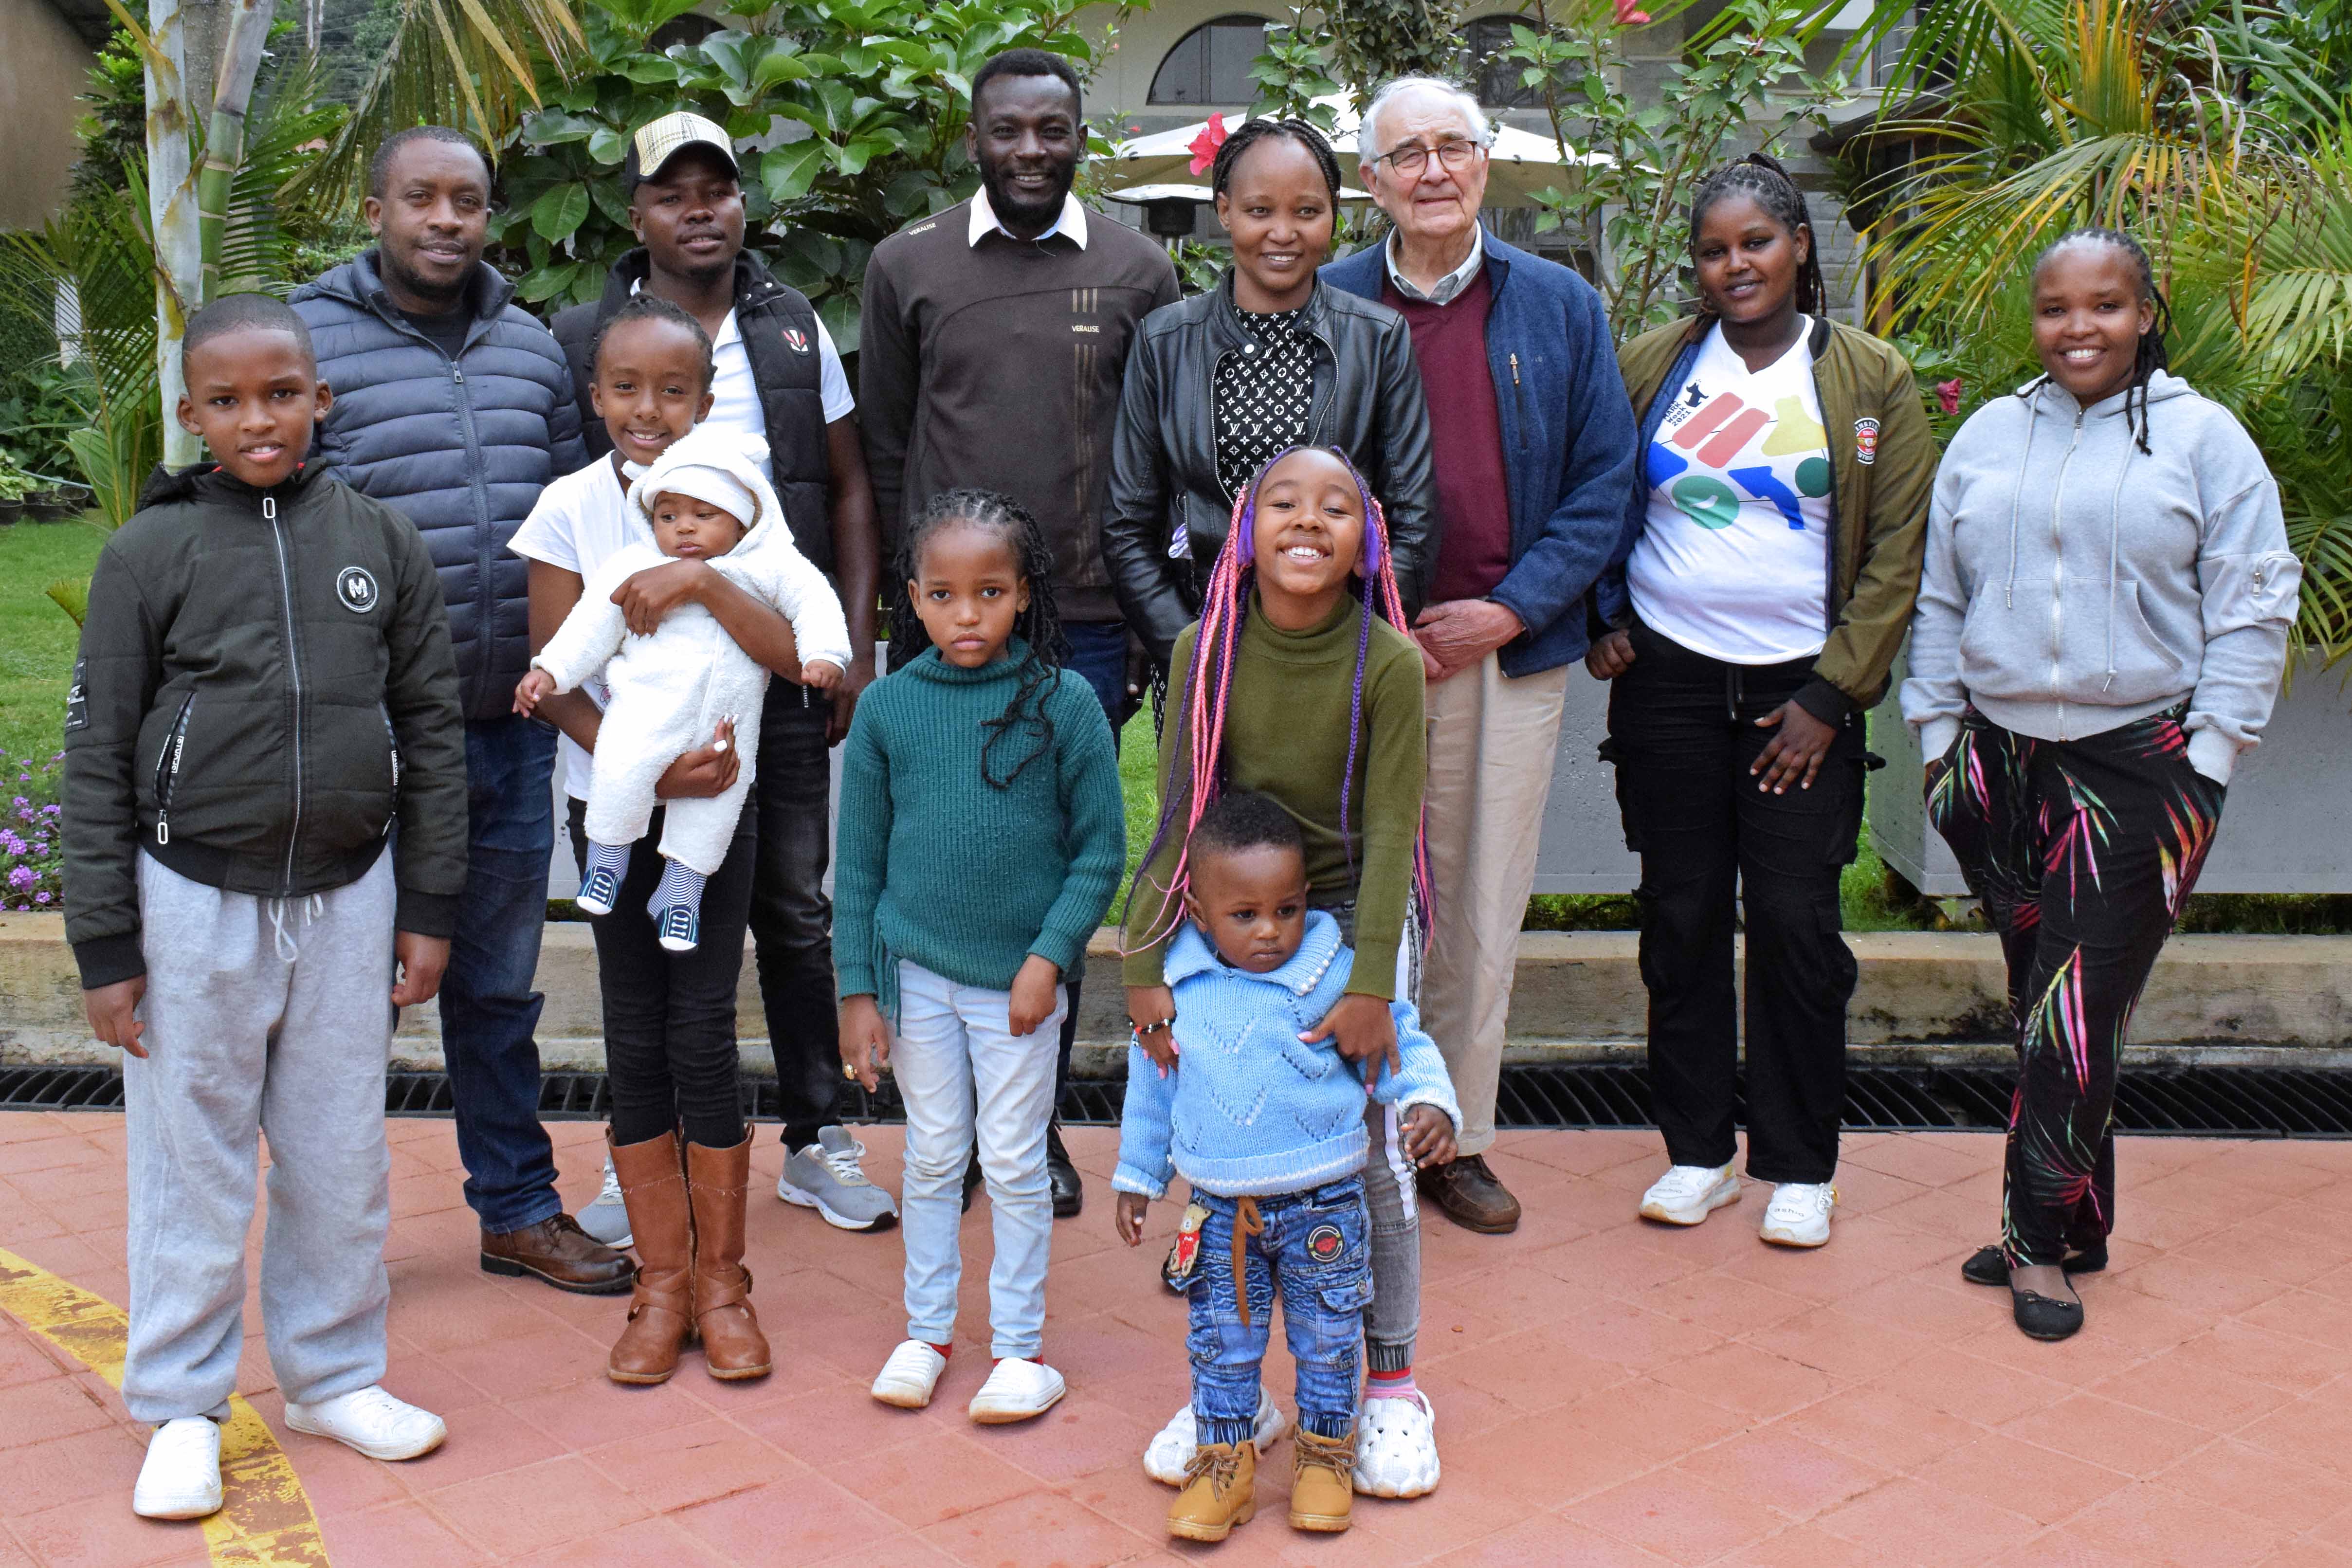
column 1428, row 1136
column 1363, row 1030
column 819, row 673
column 1128, row 1219
column 1154, row 1004
column 114, row 1016
column 864, row 1041
column 533, row 690
column 1035, row 991
column 421, row 960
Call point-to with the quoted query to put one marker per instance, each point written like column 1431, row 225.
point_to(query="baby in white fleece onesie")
column 704, row 498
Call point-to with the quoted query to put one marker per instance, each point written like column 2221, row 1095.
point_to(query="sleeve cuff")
column 425, row 914
column 1936, row 736
column 852, row 980
column 2212, row 754
column 1422, row 1097
column 1056, row 949
column 109, row 960
column 1824, row 701
column 1128, row 1178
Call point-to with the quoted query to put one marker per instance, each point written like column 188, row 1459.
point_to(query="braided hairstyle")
column 2149, row 357
column 1039, row 627
column 1197, row 781
column 1760, row 178
column 654, row 308
column 1250, row 133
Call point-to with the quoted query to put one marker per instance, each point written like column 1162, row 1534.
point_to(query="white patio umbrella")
column 1520, row 163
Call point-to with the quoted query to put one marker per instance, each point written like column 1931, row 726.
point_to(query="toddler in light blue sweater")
column 1269, row 1129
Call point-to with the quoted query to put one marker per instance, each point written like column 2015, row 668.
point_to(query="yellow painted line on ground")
column 265, row 1519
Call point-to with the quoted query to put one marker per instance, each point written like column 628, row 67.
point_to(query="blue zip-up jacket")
column 462, row 446
column 1250, row 1109
column 1568, row 439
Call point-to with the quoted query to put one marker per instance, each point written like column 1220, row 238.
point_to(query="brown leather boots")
column 687, row 1222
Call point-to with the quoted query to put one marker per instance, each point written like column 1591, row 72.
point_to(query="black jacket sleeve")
column 116, row 675
column 421, row 695
column 1406, row 482
column 1137, row 528
column 889, row 380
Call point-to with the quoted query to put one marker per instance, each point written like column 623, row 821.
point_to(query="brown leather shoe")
column 717, row 1180
column 1471, row 1197
column 661, row 1311
column 558, row 1251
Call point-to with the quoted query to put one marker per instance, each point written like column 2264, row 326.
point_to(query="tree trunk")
column 240, row 62
column 172, row 211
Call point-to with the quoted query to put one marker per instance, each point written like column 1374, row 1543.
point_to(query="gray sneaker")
column 607, row 1219
column 826, row 1176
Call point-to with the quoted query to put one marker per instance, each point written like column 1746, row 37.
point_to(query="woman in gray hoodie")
column 2101, row 629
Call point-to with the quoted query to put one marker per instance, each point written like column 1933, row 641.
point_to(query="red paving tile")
column 1610, row 1393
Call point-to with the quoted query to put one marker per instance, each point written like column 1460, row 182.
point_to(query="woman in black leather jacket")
column 1270, row 358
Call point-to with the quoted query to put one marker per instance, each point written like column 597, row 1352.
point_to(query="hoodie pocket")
column 2134, row 663
column 2248, row 589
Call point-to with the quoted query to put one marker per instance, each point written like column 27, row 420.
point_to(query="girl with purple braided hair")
column 1298, row 682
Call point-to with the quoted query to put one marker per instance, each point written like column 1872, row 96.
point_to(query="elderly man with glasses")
column 1534, row 443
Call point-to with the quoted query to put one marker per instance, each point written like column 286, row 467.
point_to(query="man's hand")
column 113, row 1012
column 1794, row 755
column 533, row 690
column 1154, row 1004
column 854, row 682
column 1364, row 1030
column 1609, row 658
column 704, row 772
column 421, row 960
column 1034, row 993
column 1428, row 1136
column 654, row 593
column 865, row 1040
column 1459, row 633
column 1127, row 1217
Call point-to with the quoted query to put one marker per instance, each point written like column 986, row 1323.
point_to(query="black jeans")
column 1682, row 730
column 2082, row 852
column 670, row 1018
column 792, row 920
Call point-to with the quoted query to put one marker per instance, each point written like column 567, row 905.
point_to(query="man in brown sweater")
column 995, row 334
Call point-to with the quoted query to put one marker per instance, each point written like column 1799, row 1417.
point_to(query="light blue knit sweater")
column 1249, row 1110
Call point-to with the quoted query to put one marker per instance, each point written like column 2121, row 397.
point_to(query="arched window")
column 1499, row 87
column 1211, row 63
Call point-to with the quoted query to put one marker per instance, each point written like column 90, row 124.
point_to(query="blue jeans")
column 489, row 1010
column 1099, row 653
column 1315, row 1253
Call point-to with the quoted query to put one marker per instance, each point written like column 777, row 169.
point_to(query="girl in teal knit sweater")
column 982, row 839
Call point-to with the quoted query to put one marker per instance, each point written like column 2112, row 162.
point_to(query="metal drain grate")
column 2213, row 1101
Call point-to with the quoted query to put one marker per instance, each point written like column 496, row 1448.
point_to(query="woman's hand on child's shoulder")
column 864, row 1041
column 1428, row 1135
column 1363, row 1030
column 1128, row 1218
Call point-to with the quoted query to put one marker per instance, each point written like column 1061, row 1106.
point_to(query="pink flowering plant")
column 32, row 855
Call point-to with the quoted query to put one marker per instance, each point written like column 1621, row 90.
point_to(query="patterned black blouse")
column 1263, row 394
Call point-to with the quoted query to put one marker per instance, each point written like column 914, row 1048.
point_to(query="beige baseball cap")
column 658, row 141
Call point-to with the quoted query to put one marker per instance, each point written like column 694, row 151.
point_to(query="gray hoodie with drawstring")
column 2074, row 583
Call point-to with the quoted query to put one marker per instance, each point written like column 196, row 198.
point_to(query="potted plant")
column 15, row 484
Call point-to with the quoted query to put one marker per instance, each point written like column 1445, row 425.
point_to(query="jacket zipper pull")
column 269, row 508
column 1514, row 370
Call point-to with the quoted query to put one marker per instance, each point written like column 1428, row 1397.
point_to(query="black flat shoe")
column 2040, row 1318
column 1061, row 1175
column 1985, row 1266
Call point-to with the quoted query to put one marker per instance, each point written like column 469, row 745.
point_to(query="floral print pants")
column 2082, row 854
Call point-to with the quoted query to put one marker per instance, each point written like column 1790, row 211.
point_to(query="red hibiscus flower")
column 1205, row 145
column 1630, row 15
column 1948, row 395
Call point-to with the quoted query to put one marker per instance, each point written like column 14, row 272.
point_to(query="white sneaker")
column 1799, row 1213
column 1396, row 1447
column 607, row 1219
column 181, row 1479
column 1017, row 1391
column 1686, row 1194
column 1171, row 1450
column 909, row 1375
column 372, row 1421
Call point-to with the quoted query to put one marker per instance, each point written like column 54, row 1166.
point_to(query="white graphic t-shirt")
column 1734, row 562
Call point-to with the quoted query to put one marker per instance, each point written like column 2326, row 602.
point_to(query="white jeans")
column 962, row 1072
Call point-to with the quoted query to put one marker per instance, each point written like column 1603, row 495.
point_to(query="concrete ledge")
column 1922, row 996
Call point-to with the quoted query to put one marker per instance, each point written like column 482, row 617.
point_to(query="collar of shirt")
column 1448, row 286
column 1071, row 223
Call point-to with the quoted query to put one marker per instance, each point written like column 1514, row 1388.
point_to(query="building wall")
column 42, row 69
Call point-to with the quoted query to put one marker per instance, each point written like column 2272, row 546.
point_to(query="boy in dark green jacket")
column 265, row 686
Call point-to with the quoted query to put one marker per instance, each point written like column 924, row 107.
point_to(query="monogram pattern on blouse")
column 1262, row 393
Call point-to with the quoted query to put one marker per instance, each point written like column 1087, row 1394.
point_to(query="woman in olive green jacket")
column 1765, row 582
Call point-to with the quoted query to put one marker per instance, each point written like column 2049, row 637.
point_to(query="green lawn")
column 37, row 639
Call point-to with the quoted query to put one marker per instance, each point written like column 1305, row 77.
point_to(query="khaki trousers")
column 1492, row 738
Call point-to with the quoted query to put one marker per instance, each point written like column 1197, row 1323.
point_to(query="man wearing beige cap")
column 776, row 376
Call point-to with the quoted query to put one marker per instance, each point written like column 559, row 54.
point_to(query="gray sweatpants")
column 265, row 1017
column 1393, row 1322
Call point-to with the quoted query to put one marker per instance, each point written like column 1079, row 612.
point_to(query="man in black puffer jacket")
column 455, row 406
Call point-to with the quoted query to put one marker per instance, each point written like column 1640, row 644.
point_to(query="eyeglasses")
column 1410, row 159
